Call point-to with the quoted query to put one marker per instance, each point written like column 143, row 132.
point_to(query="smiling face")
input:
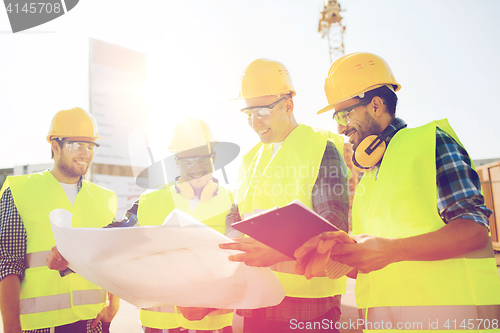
column 276, row 127
column 71, row 165
column 361, row 123
column 196, row 166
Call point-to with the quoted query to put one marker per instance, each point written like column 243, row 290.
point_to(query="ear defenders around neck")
column 183, row 188
column 371, row 150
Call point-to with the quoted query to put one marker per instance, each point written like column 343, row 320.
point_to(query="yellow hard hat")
column 354, row 74
column 73, row 122
column 191, row 133
column 265, row 77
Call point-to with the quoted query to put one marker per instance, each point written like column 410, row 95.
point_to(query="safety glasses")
column 80, row 147
column 198, row 160
column 260, row 112
column 342, row 116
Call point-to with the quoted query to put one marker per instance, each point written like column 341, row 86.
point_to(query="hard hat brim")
column 325, row 109
column 51, row 137
column 393, row 86
column 239, row 98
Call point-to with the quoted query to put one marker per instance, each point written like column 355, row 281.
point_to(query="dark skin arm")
column 371, row 253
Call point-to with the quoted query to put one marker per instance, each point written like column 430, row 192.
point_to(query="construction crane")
column 330, row 26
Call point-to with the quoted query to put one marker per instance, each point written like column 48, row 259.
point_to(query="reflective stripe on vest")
column 44, row 303
column 160, row 317
column 47, row 299
column 274, row 181
column 401, row 202
column 166, row 309
column 84, row 297
column 164, row 317
column 62, row 301
column 444, row 317
column 153, row 208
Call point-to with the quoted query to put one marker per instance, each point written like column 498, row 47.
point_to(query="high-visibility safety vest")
column 274, row 181
column 401, row 202
column 153, row 208
column 46, row 298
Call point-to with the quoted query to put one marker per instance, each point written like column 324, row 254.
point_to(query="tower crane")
column 330, row 26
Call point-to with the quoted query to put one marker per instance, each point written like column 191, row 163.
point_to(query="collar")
column 79, row 185
column 394, row 127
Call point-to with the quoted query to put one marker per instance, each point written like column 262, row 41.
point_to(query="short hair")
column 60, row 145
column 390, row 98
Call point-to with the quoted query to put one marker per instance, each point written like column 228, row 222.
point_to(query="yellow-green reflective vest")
column 46, row 298
column 401, row 202
column 274, row 181
column 153, row 208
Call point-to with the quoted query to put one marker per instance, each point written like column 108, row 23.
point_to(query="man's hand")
column 254, row 252
column 55, row 260
column 192, row 313
column 313, row 255
column 369, row 254
column 108, row 313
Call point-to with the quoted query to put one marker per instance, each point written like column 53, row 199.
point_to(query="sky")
column 444, row 53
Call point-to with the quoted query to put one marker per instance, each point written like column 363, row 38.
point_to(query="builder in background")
column 197, row 193
column 423, row 254
column 33, row 297
column 292, row 161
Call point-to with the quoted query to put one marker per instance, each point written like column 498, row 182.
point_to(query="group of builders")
column 419, row 249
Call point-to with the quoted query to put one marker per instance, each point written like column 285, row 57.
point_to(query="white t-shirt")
column 71, row 191
column 276, row 147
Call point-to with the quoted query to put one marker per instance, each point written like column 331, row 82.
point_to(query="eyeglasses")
column 80, row 147
column 261, row 112
column 199, row 160
column 342, row 116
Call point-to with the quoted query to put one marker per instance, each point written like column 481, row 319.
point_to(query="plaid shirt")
column 13, row 246
column 458, row 185
column 333, row 205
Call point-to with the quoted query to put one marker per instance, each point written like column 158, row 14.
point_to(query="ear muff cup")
column 184, row 188
column 369, row 152
column 208, row 191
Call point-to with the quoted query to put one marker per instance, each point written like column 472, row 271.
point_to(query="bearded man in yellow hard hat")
column 423, row 256
column 35, row 298
column 291, row 161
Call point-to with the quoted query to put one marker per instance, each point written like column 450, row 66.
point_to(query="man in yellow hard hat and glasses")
column 34, row 298
column 292, row 161
column 197, row 193
column 423, row 257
